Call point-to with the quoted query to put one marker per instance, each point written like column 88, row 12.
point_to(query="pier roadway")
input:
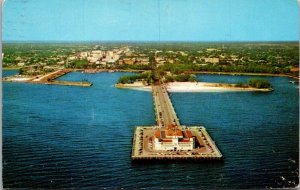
column 53, row 75
column 165, row 113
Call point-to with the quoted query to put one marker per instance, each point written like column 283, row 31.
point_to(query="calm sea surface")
column 60, row 136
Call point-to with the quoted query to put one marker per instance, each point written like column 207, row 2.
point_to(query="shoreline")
column 134, row 86
column 91, row 71
column 10, row 68
column 191, row 72
column 243, row 74
column 194, row 87
column 172, row 87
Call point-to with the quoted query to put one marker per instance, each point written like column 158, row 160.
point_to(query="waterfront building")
column 173, row 138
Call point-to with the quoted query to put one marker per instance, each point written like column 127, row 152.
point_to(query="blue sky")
column 150, row 20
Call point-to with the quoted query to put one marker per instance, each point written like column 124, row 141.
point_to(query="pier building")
column 173, row 138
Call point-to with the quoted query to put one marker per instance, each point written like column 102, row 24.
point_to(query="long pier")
column 49, row 79
column 145, row 137
column 165, row 113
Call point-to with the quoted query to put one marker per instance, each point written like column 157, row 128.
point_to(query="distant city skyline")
column 147, row 20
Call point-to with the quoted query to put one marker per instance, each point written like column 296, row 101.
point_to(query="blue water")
column 63, row 136
column 7, row 73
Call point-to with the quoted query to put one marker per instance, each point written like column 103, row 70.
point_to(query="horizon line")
column 144, row 41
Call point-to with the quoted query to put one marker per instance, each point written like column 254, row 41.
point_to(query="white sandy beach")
column 202, row 87
column 135, row 86
column 18, row 78
column 192, row 87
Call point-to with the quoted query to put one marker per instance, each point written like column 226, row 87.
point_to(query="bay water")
column 67, row 136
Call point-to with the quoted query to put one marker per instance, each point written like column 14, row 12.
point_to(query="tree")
column 146, row 76
column 259, row 83
column 169, row 79
column 79, row 64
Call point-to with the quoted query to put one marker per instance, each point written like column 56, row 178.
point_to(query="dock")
column 169, row 140
column 49, row 79
column 51, row 76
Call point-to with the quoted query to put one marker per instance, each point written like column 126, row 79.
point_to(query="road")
column 164, row 109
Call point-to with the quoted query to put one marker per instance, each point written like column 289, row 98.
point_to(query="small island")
column 188, row 83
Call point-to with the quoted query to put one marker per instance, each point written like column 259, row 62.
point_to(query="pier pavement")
column 165, row 113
